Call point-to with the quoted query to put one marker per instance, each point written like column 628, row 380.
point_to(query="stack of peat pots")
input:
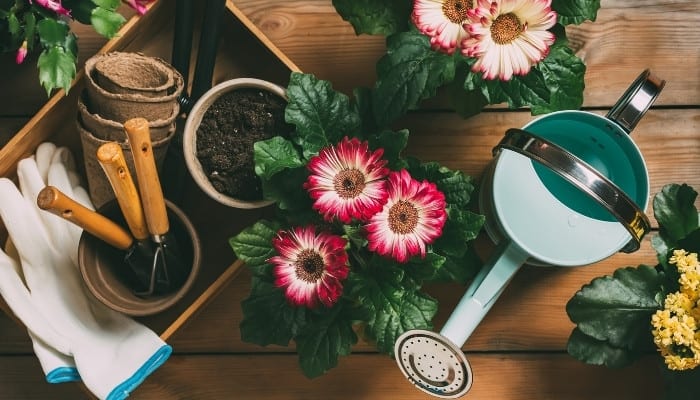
column 121, row 86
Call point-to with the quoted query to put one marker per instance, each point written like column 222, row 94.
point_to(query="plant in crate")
column 482, row 51
column 358, row 230
column 43, row 26
column 639, row 310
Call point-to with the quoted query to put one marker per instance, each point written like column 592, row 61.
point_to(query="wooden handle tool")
column 147, row 176
column 111, row 158
column 53, row 200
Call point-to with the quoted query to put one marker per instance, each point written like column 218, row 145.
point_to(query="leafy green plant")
column 323, row 267
column 613, row 314
column 43, row 26
column 421, row 58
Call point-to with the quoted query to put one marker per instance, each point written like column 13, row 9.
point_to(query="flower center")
column 309, row 266
column 349, row 183
column 403, row 217
column 505, row 28
column 456, row 10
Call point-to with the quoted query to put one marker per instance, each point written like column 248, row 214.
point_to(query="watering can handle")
column 483, row 292
column 584, row 177
column 636, row 100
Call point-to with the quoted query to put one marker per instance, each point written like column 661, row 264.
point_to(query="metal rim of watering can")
column 584, row 177
column 433, row 363
column 636, row 100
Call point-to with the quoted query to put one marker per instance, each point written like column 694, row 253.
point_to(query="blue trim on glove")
column 63, row 374
column 123, row 390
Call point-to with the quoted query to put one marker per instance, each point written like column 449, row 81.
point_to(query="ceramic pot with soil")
column 220, row 133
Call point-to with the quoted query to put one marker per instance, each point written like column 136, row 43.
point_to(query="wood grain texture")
column 518, row 351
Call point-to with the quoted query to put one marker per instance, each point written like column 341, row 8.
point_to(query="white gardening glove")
column 113, row 353
column 57, row 367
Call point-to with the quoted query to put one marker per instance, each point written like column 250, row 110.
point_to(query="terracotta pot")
column 194, row 119
column 99, row 188
column 106, row 274
column 134, row 73
column 121, row 107
column 107, row 129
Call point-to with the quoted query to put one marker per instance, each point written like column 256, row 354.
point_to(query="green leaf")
column 106, row 22
column 409, row 72
column 375, row 17
column 674, row 209
column 273, row 155
column 286, row 188
column 322, row 116
column 393, row 144
column 355, row 235
column 267, row 316
column 327, row 336
column 563, row 74
column 396, row 308
column 424, row 269
column 467, row 98
column 30, row 30
column 107, row 4
column 455, row 185
column 56, row 69
column 80, row 10
column 598, row 352
column 461, row 227
column 460, row 269
column 253, row 245
column 575, row 11
column 618, row 308
column 363, row 103
column 13, row 25
column 519, row 91
column 52, row 32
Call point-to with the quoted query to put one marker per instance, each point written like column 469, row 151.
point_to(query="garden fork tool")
column 111, row 158
column 168, row 271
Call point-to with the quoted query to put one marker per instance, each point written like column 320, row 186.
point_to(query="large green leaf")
column 393, row 144
column 106, row 22
column 52, row 32
column 563, row 74
column 253, row 245
column 267, row 316
column 375, row 17
column 56, row 69
column 618, row 308
column 327, row 335
column 575, row 11
column 409, row 72
column 274, row 155
column 454, row 184
column 395, row 307
column 322, row 116
column 598, row 352
column 674, row 209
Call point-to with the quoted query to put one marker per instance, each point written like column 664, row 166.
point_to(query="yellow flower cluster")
column 675, row 328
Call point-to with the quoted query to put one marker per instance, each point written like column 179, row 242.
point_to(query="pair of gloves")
column 75, row 337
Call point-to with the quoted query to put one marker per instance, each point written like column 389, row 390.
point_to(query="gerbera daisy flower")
column 347, row 181
column 442, row 21
column 508, row 36
column 412, row 218
column 309, row 266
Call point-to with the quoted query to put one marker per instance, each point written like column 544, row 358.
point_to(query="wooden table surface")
column 518, row 352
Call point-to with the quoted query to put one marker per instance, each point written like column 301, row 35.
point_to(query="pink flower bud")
column 21, row 53
column 138, row 5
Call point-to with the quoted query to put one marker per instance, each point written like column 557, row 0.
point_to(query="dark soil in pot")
column 227, row 133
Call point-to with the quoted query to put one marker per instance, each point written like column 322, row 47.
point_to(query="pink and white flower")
column 347, row 181
column 442, row 21
column 508, row 37
column 53, row 5
column 412, row 218
column 310, row 266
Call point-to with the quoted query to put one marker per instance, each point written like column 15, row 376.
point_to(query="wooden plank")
column 616, row 48
column 358, row 377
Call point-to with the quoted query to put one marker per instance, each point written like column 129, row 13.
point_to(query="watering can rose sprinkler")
column 568, row 189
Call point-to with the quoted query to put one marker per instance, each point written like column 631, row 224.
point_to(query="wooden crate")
column 244, row 51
